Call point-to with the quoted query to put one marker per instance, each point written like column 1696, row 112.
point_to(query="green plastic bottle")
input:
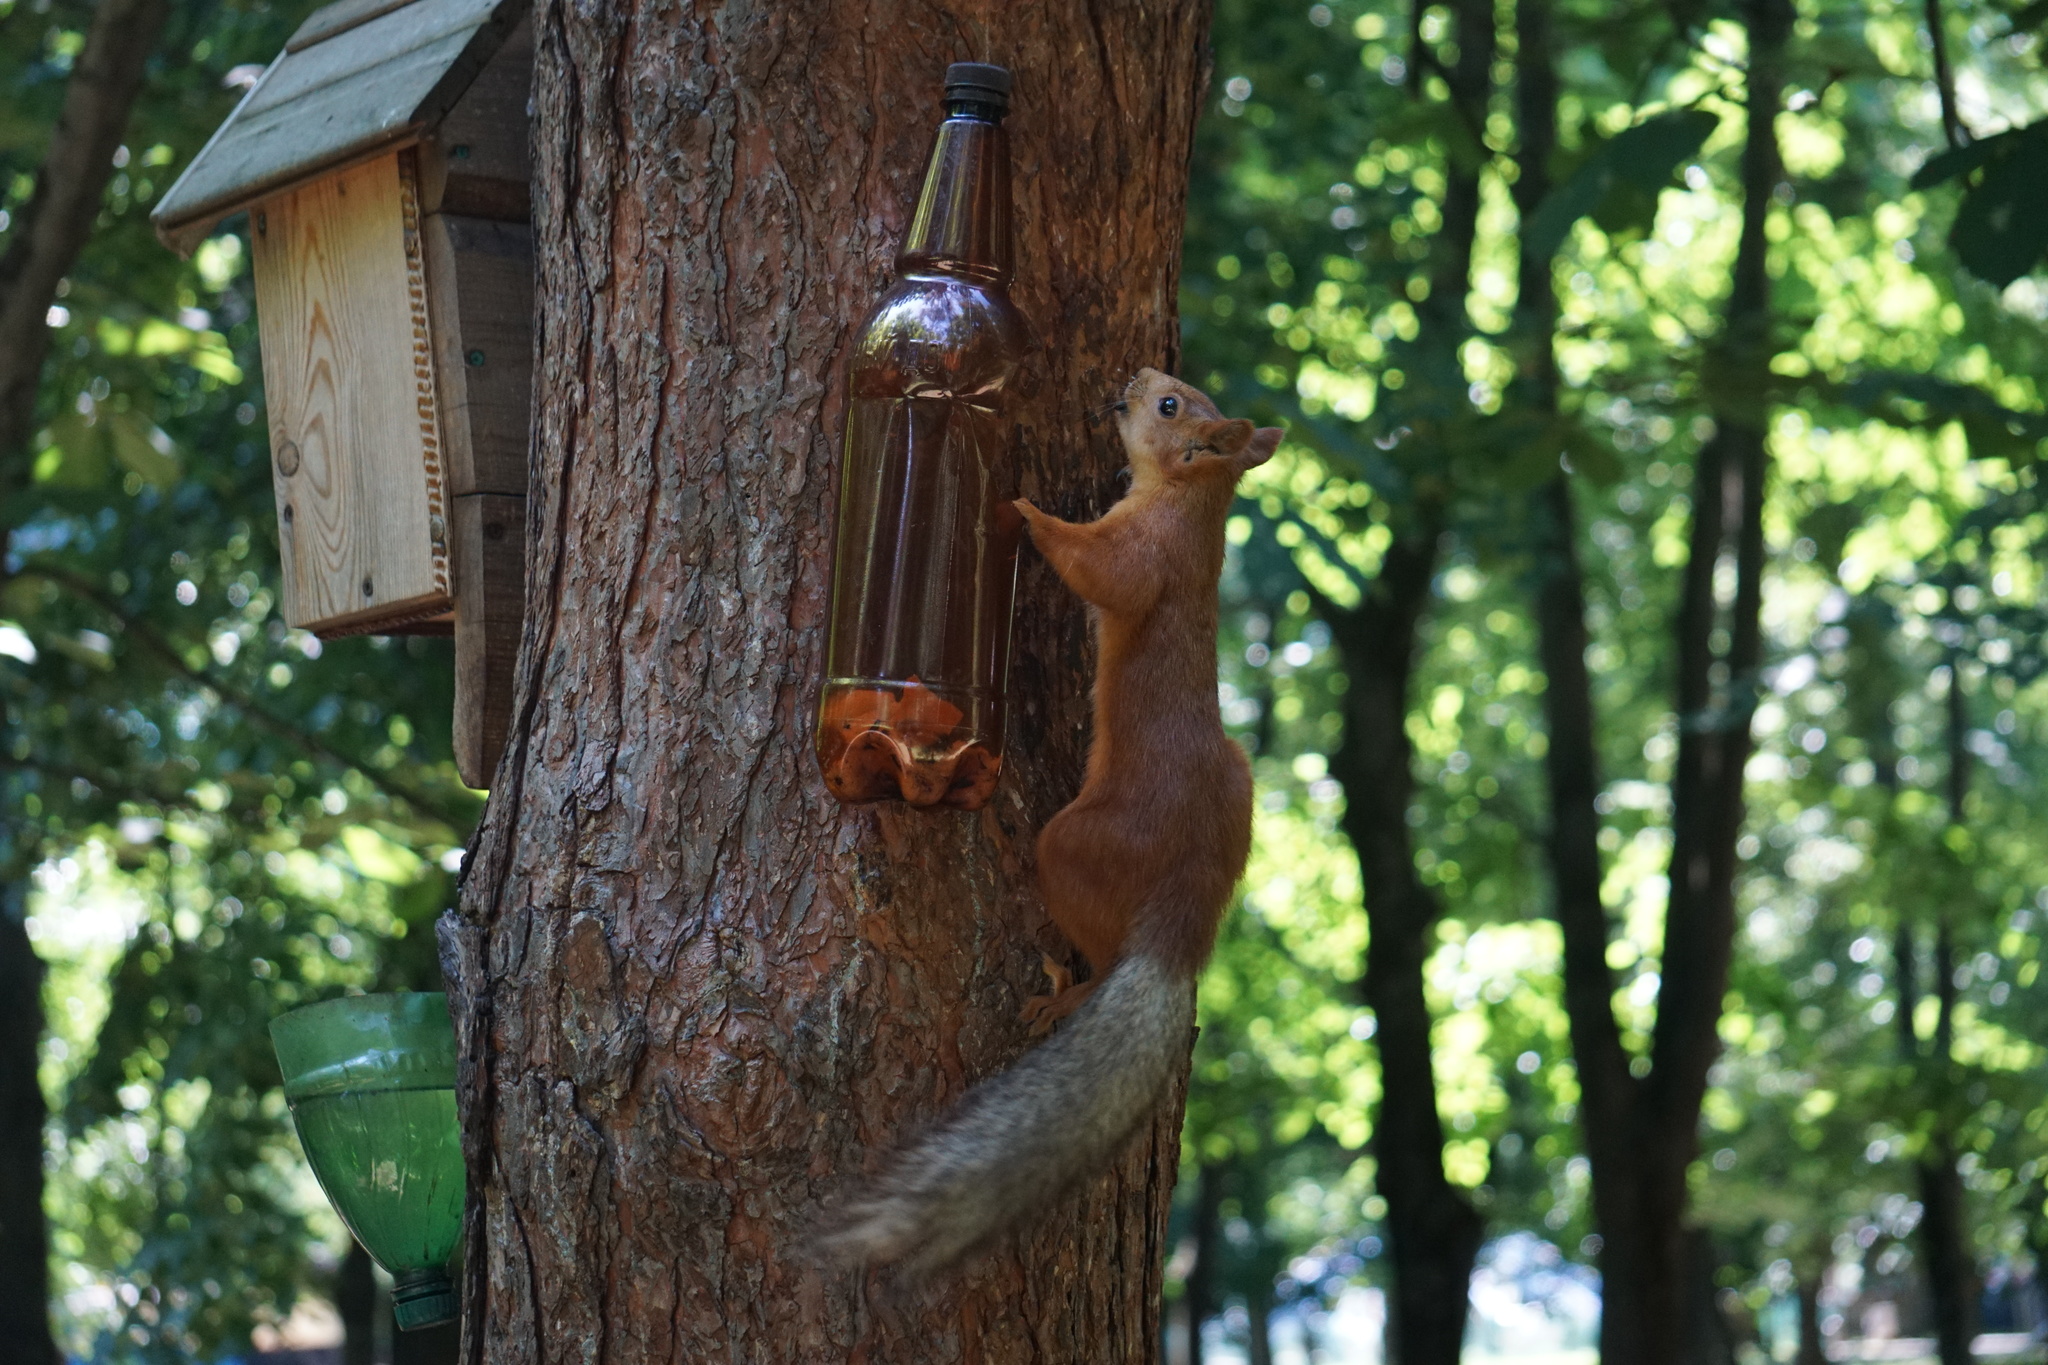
column 371, row 1084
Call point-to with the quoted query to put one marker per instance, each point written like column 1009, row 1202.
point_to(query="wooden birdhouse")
column 382, row 159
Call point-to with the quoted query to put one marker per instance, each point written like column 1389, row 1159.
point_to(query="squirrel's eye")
column 1168, row 406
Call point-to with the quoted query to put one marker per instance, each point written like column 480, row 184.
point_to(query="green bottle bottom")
column 422, row 1298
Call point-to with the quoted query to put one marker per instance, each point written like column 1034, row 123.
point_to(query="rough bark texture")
column 1641, row 1123
column 694, row 995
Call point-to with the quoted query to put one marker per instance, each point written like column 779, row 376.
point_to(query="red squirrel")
column 1136, row 872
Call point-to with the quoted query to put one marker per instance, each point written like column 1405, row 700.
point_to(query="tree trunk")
column 1709, row 1336
column 1945, row 1245
column 52, row 227
column 1207, row 1232
column 1258, row 1309
column 47, row 234
column 355, row 1303
column 1433, row 1232
column 1812, row 1350
column 1641, row 1123
column 695, row 996
column 24, row 1243
column 1944, row 1221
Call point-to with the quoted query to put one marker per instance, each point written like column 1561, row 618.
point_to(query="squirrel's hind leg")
column 1041, row 1012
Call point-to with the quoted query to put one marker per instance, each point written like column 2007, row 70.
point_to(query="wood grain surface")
column 490, row 603
column 695, row 996
column 476, row 161
column 480, row 296
column 348, row 373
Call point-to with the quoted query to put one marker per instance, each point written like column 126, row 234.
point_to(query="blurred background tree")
column 206, row 817
column 1861, row 348
column 1488, row 262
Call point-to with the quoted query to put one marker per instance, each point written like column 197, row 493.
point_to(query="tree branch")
column 156, row 644
column 1945, row 78
column 53, row 226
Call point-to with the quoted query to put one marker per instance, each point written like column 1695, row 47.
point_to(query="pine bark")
column 695, row 997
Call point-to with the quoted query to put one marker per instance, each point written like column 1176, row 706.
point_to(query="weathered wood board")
column 480, row 297
column 348, row 370
column 356, row 80
column 490, row 604
column 476, row 160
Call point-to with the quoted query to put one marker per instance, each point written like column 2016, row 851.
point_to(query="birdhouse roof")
column 357, row 78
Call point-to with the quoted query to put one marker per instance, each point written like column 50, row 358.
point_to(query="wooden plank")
column 480, row 295
column 371, row 86
column 348, row 375
column 476, row 161
column 339, row 17
column 490, row 607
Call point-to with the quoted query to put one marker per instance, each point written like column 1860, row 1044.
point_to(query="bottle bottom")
column 423, row 1298
column 880, row 741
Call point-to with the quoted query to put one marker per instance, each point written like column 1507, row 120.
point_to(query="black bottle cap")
column 978, row 83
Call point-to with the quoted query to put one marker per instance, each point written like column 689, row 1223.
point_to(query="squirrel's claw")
column 1041, row 1012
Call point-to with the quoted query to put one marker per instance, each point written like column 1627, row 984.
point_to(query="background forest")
column 1638, row 637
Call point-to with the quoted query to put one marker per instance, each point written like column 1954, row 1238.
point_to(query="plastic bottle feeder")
column 371, row 1084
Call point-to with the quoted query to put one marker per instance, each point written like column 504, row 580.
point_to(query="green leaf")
column 140, row 446
column 82, row 447
column 1618, row 184
column 1962, row 160
column 1647, row 154
column 1923, row 402
column 2001, row 230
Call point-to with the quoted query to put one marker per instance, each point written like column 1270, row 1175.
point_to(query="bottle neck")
column 962, row 226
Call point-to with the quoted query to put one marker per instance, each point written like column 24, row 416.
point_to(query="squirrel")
column 1136, row 872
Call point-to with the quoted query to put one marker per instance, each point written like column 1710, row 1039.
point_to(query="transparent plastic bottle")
column 925, row 567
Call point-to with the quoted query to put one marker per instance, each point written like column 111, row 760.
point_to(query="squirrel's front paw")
column 1025, row 508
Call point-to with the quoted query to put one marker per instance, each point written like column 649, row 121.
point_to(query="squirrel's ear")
column 1227, row 435
column 1261, row 446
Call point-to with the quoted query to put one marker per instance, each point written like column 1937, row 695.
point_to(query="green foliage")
column 1617, row 183
column 1906, row 421
column 222, row 817
column 2001, row 229
column 225, row 817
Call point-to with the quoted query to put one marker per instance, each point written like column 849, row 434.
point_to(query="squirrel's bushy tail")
column 1018, row 1140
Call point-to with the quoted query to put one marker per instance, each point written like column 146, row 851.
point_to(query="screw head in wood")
column 287, row 458
column 369, row 589
column 437, row 530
